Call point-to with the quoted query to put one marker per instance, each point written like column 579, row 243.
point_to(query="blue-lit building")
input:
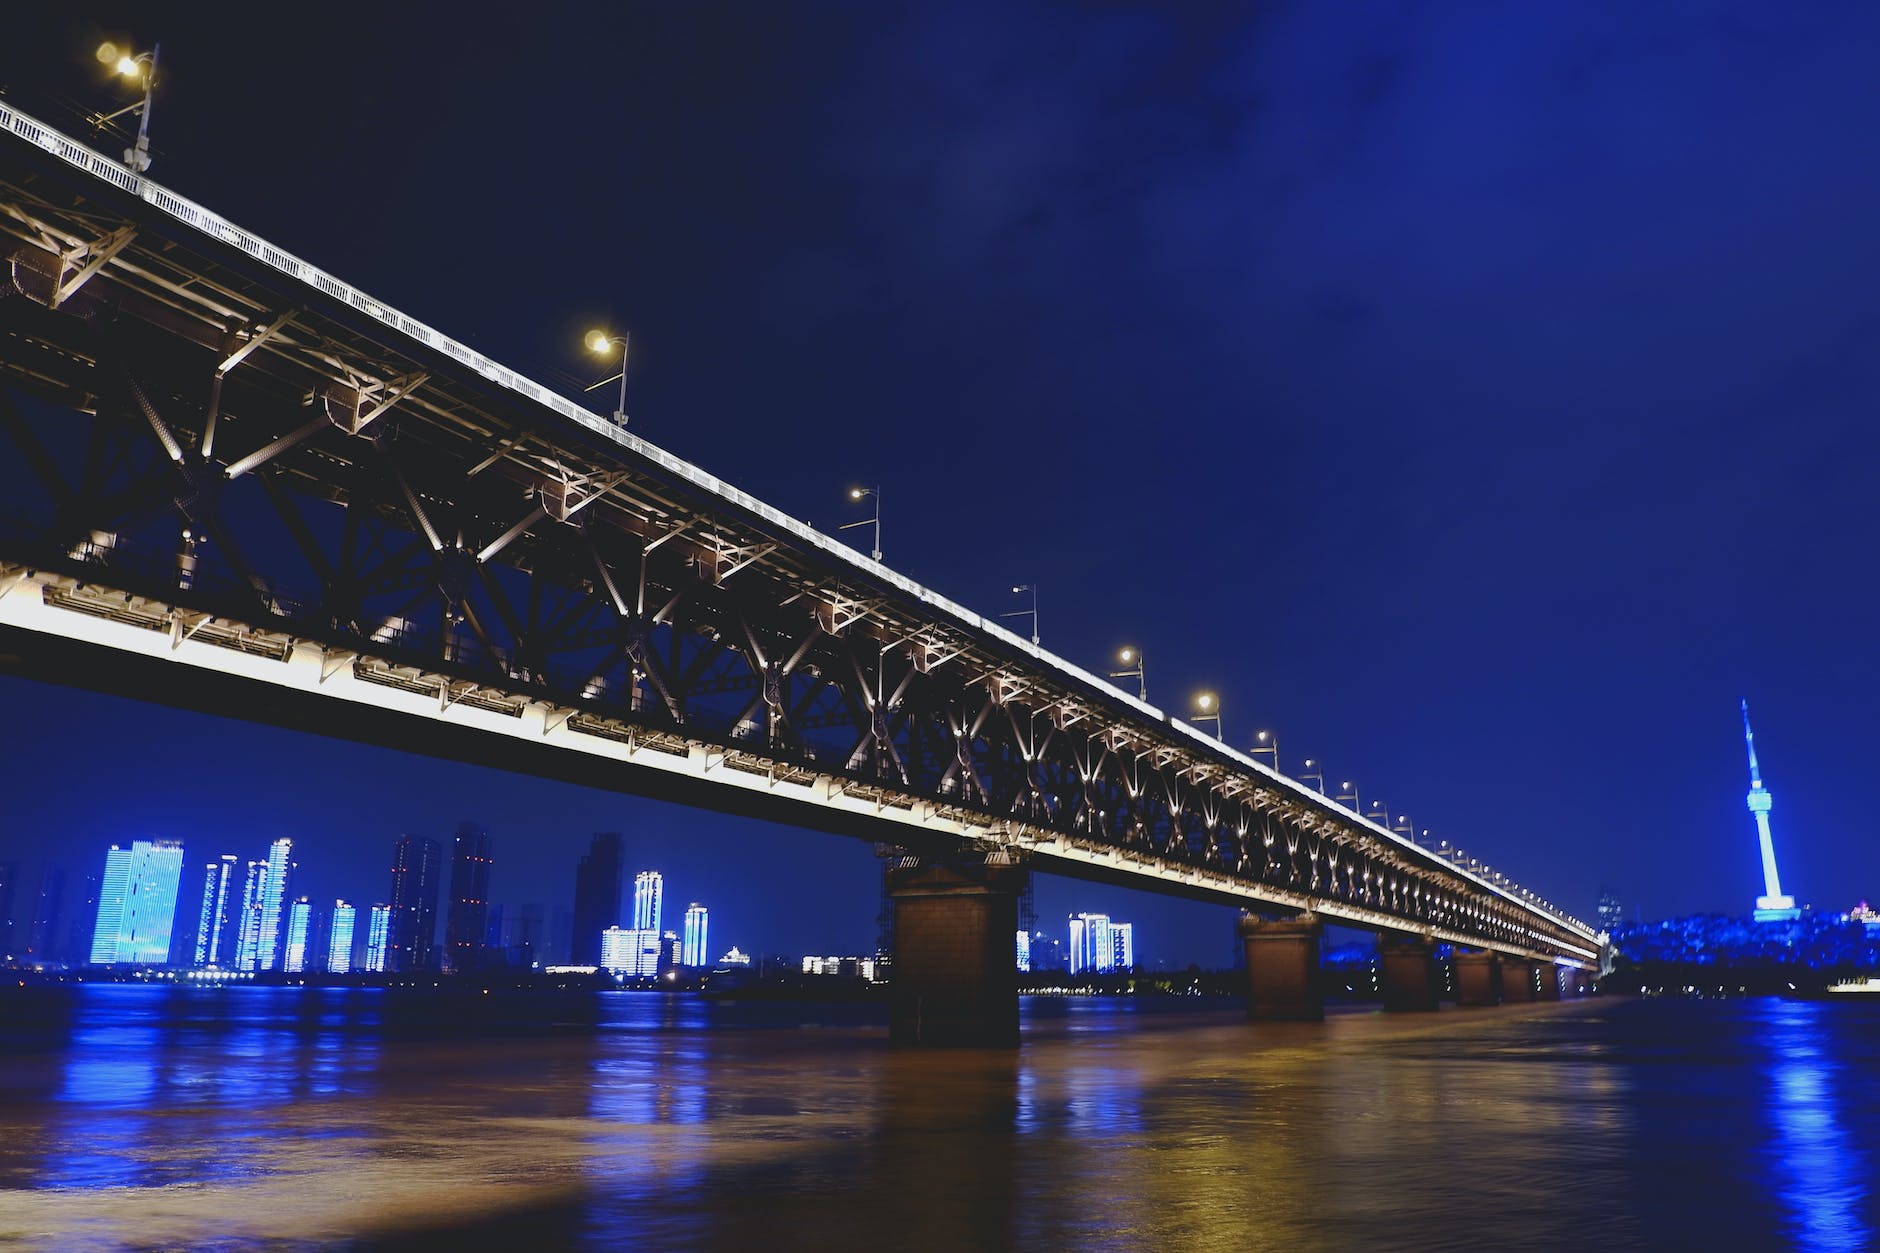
column 137, row 903
column 648, row 887
column 692, row 951
column 1772, row 905
column 1123, row 945
column 339, row 948
column 1024, row 950
column 1092, row 947
column 417, row 869
column 214, row 933
column 270, row 948
column 378, row 938
column 299, row 921
column 248, row 931
column 630, row 951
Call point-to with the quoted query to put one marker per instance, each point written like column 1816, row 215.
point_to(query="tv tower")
column 1772, row 906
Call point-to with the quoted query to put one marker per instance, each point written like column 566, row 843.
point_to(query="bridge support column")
column 1283, row 979
column 1517, row 980
column 1550, row 981
column 1478, row 979
column 1408, row 971
column 955, row 962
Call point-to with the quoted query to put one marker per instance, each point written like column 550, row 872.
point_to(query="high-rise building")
column 648, row 887
column 692, row 951
column 1123, row 945
column 1024, row 949
column 378, row 938
column 84, row 919
column 630, row 951
column 299, row 923
column 596, row 897
column 272, row 947
column 248, row 932
column 137, row 903
column 1611, row 912
column 1772, row 905
column 1093, row 946
column 466, row 926
column 339, row 948
column 212, row 919
column 9, row 879
column 416, row 865
column 42, row 939
column 529, row 937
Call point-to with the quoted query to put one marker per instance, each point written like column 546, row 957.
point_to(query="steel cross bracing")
column 207, row 441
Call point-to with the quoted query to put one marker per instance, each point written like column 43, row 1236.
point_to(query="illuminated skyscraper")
column 212, row 919
column 378, row 937
column 339, row 947
column 1093, row 945
column 692, row 951
column 294, row 951
column 248, row 933
column 648, row 887
column 1123, row 945
column 273, row 895
column 466, row 926
column 43, row 939
column 596, row 897
column 1771, row 906
column 137, row 903
column 1024, row 949
column 416, row 866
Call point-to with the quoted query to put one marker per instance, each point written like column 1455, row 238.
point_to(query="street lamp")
column 1132, row 657
column 1404, row 827
column 858, row 493
column 1020, row 590
column 1348, row 791
column 1266, row 742
column 1208, row 705
column 1379, row 814
column 142, row 67
column 1314, row 770
column 600, row 343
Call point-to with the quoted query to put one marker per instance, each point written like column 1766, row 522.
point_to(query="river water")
column 287, row 1119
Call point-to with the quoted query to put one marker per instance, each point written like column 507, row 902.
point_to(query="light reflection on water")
column 240, row 1116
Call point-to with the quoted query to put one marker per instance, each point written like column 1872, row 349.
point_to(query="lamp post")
column 1266, row 742
column 1132, row 657
column 142, row 65
column 858, row 493
column 601, row 343
column 1032, row 613
column 1404, row 827
column 1314, row 770
column 1208, row 705
column 1348, row 791
column 1380, row 814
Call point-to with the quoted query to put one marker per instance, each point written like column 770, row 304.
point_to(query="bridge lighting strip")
column 213, row 225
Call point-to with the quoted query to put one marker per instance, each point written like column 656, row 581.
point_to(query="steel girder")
column 224, row 457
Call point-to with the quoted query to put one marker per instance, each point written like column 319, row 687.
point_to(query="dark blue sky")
column 1478, row 396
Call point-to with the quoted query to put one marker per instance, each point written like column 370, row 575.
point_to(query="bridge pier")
column 1518, row 982
column 1407, row 968
column 955, row 969
column 1283, row 978
column 1550, row 981
column 1478, row 979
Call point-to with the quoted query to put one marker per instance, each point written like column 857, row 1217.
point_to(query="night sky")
column 1479, row 397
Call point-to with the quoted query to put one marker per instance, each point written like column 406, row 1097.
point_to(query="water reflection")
column 1824, row 1178
column 298, row 1120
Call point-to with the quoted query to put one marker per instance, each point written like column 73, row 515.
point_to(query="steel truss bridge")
column 233, row 482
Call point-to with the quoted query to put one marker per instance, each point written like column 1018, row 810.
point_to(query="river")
column 289, row 1119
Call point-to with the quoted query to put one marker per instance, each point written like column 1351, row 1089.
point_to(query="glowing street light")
column 1266, row 742
column 601, row 344
column 1132, row 658
column 1348, row 791
column 1032, row 613
column 139, row 67
column 1404, row 827
column 1314, row 770
column 1208, row 705
column 859, row 493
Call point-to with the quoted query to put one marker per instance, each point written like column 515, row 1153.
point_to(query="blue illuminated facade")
column 692, row 951
column 339, row 947
column 137, row 903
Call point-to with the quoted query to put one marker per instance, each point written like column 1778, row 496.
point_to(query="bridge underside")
column 230, row 482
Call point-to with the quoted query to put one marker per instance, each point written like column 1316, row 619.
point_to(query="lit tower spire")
column 1772, row 906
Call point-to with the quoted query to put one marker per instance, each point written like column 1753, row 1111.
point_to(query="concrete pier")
column 1478, row 979
column 1407, row 968
column 1517, row 980
column 955, row 969
column 1283, row 977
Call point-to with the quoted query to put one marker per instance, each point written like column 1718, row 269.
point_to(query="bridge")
column 233, row 482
